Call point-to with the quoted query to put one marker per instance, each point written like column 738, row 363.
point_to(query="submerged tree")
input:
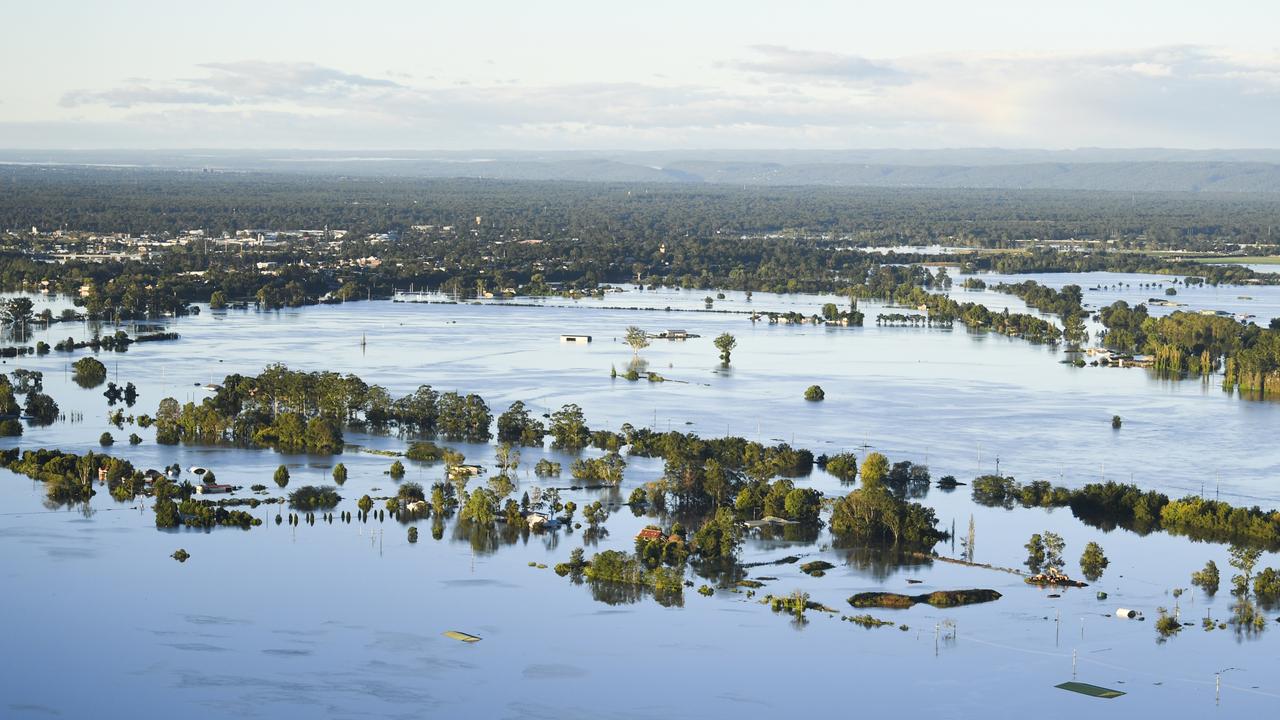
column 969, row 540
column 842, row 465
column 1207, row 579
column 89, row 372
column 1093, row 561
column 719, row 536
column 569, row 429
column 875, row 468
column 1054, row 547
column 871, row 514
column 1035, row 553
column 637, row 339
column 725, row 343
column 1243, row 559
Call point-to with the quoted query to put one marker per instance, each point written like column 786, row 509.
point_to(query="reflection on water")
column 880, row 563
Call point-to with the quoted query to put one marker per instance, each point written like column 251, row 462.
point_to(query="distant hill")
column 1136, row 170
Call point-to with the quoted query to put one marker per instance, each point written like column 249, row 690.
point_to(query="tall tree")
column 637, row 339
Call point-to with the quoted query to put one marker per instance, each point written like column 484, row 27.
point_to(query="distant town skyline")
column 660, row 75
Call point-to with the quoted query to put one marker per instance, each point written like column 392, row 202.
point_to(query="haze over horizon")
column 666, row 76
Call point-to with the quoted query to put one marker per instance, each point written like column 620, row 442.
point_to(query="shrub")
column 282, row 476
column 397, row 470
column 844, row 466
column 425, row 451
column 89, row 372
column 1207, row 579
column 310, row 497
column 814, row 393
column 10, row 428
column 105, row 439
column 1167, row 624
column 1266, row 586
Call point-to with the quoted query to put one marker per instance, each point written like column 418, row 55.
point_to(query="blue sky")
column 584, row 75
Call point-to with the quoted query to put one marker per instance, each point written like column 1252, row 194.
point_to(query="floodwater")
column 345, row 620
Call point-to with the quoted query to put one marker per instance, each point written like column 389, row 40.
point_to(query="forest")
column 141, row 201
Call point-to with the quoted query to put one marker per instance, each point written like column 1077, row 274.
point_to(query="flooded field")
column 345, row 620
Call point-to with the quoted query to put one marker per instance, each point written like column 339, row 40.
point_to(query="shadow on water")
column 615, row 593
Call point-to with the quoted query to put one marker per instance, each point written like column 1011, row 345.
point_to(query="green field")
column 1240, row 260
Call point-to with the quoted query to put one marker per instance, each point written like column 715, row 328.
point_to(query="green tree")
column 507, row 458
column 875, row 468
column 1054, row 547
column 517, row 426
column 814, row 393
column 166, row 513
column 595, row 515
column 18, row 312
column 871, row 514
column 843, row 465
column 282, row 476
column 501, row 485
column 41, row 408
column 1243, row 559
column 480, row 507
column 340, row 473
column 1093, row 561
column 1073, row 329
column 397, row 470
column 725, row 343
column 89, row 372
column 218, row 300
column 1208, row 578
column 719, row 536
column 637, row 339
column 1035, row 553
column 569, row 428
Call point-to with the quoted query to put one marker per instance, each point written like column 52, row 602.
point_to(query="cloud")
column 853, row 69
column 261, row 80
column 130, row 96
column 1183, row 96
column 238, row 83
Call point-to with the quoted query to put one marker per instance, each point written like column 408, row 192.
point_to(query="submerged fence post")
column 1073, row 663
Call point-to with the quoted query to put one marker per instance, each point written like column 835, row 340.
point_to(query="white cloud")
column 779, row 97
column 838, row 67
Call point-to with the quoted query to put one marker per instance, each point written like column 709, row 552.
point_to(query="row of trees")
column 1108, row 505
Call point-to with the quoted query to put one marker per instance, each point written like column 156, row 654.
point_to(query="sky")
column 569, row 75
